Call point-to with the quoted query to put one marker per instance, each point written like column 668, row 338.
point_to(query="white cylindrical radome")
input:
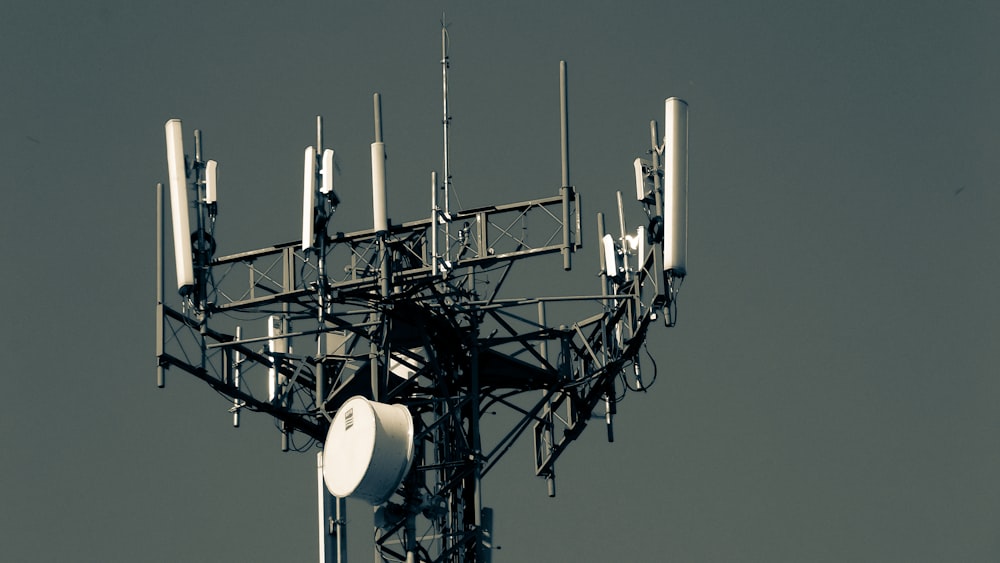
column 675, row 187
column 380, row 208
column 179, row 204
column 308, row 196
column 368, row 450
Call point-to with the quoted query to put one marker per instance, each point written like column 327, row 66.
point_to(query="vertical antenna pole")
column 379, row 195
column 201, row 266
column 340, row 528
column 565, row 189
column 237, row 366
column 332, row 539
column 321, row 350
column 654, row 137
column 477, row 450
column 660, row 273
column 604, row 264
column 378, row 173
column 160, row 370
column 621, row 236
column 381, row 230
column 323, row 509
column 445, row 121
column 543, row 351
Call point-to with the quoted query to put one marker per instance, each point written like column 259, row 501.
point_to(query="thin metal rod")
column 564, row 123
column 160, row 370
column 319, row 134
column 567, row 250
column 377, row 99
column 564, row 145
column 237, row 376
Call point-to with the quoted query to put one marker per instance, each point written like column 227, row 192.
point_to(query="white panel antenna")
column 612, row 257
column 308, row 197
column 327, row 172
column 675, row 187
column 643, row 179
column 211, row 181
column 637, row 247
column 179, row 204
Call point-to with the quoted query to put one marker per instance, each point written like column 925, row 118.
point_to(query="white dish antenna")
column 179, row 204
column 368, row 450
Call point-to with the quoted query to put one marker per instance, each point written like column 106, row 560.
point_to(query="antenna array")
column 404, row 319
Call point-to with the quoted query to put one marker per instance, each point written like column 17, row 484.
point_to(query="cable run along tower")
column 386, row 348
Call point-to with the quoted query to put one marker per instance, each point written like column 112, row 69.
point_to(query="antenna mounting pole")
column 445, row 120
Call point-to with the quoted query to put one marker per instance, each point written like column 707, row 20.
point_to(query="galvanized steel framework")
column 406, row 316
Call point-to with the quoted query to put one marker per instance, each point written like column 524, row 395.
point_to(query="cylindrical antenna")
column 179, row 204
column 434, row 227
column 564, row 123
column 621, row 219
column 380, row 213
column 675, row 177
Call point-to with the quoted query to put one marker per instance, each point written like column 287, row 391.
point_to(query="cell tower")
column 385, row 347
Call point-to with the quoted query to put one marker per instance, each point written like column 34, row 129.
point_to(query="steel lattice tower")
column 400, row 314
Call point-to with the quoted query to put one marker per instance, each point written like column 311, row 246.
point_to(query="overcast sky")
column 830, row 393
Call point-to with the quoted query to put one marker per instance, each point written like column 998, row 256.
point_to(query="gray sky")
column 831, row 391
